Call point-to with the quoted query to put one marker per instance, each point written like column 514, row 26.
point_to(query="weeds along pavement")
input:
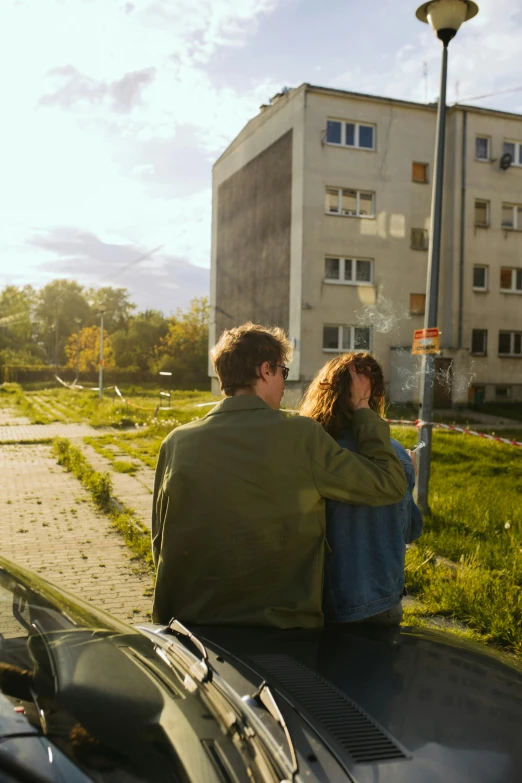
column 467, row 566
column 50, row 525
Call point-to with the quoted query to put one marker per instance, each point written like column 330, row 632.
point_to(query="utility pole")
column 100, row 384
column 78, row 322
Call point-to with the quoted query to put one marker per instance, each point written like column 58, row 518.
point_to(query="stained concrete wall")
column 253, row 240
column 267, row 129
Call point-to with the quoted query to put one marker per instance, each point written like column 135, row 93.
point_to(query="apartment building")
column 321, row 225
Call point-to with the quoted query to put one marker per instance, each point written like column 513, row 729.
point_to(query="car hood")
column 393, row 704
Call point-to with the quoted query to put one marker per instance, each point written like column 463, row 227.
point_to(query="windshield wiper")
column 202, row 669
column 264, row 696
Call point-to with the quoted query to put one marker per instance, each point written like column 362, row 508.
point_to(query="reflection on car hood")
column 393, row 704
column 362, row 703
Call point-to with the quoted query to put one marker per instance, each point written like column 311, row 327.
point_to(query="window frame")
column 485, row 343
column 342, row 266
column 511, row 353
column 488, row 213
column 486, row 278
column 488, row 158
column 515, row 208
column 426, row 179
column 415, row 313
column 352, row 328
column 357, row 125
column 517, row 161
column 358, row 193
column 506, row 396
column 513, row 289
column 426, row 238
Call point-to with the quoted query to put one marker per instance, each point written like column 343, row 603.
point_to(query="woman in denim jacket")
column 366, row 546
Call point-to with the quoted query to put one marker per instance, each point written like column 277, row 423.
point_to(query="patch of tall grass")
column 135, row 534
column 476, row 522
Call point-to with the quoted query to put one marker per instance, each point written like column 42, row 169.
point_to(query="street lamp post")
column 446, row 17
column 78, row 322
column 100, row 383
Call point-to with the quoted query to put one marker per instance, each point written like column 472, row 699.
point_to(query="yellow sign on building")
column 426, row 341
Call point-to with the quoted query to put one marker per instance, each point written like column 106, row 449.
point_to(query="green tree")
column 135, row 346
column 17, row 343
column 116, row 305
column 61, row 305
column 83, row 350
column 184, row 349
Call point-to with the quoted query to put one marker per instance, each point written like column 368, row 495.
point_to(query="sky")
column 114, row 112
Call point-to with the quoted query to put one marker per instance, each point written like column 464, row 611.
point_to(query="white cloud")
column 483, row 59
column 92, row 78
column 112, row 115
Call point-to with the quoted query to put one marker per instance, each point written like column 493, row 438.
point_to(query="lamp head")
column 447, row 16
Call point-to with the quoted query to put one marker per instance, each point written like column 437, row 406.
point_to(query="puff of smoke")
column 382, row 316
column 459, row 381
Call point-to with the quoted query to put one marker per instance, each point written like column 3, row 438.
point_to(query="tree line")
column 59, row 325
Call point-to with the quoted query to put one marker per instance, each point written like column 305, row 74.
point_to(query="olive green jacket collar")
column 242, row 402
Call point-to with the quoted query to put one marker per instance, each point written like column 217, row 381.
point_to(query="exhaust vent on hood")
column 323, row 703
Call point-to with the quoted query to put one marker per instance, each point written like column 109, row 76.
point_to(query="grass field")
column 468, row 563
column 476, row 523
column 66, row 405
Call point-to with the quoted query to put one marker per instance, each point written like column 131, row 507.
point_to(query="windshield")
column 93, row 702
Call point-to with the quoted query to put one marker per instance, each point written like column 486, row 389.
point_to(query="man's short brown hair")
column 239, row 352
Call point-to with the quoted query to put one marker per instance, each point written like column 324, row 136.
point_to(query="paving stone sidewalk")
column 48, row 524
column 26, row 432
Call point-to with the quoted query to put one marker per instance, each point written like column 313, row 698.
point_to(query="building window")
column 337, row 339
column 510, row 343
column 350, row 203
column 482, row 214
column 513, row 148
column 417, row 304
column 480, row 278
column 482, row 148
column 479, row 342
column 512, row 217
column 348, row 271
column 419, row 172
column 511, row 280
column 334, row 132
column 350, row 134
column 502, row 392
column 419, row 239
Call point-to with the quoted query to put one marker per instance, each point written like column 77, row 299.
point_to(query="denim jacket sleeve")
column 414, row 519
column 415, row 524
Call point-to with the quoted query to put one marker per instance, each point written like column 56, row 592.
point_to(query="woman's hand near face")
column 361, row 390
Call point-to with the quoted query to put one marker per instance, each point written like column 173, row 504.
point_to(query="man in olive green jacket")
column 238, row 525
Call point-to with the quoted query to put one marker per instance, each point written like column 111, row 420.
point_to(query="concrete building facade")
column 321, row 221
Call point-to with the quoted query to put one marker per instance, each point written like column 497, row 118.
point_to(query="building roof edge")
column 401, row 102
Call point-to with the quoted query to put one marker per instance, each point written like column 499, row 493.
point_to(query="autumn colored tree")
column 83, row 350
column 184, row 349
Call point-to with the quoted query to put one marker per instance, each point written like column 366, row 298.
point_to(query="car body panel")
column 361, row 703
column 453, row 707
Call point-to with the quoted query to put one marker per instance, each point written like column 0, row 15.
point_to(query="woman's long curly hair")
column 327, row 399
